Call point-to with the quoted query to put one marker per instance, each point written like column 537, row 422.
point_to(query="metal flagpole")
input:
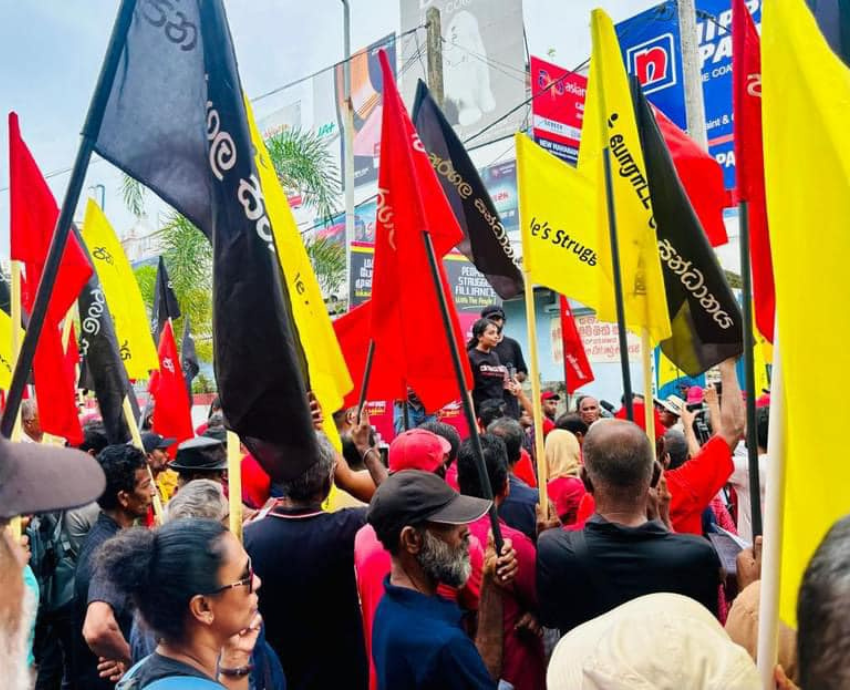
column 483, row 477
column 749, row 369
column 618, row 287
column 91, row 130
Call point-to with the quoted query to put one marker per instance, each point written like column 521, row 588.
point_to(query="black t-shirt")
column 156, row 667
column 309, row 601
column 90, row 586
column 616, row 564
column 488, row 375
column 510, row 354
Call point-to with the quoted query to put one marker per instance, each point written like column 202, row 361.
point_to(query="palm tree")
column 303, row 165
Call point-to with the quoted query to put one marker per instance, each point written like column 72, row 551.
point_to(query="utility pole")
column 692, row 72
column 434, row 42
column 348, row 136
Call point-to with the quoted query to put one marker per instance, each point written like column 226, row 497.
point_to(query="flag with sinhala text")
column 123, row 296
column 165, row 304
column 806, row 89
column 407, row 324
column 172, row 414
column 175, row 120
column 101, row 367
column 577, row 369
column 706, row 322
column 33, row 215
column 485, row 241
column 749, row 160
column 609, row 123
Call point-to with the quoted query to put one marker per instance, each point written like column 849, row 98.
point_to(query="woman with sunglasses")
column 194, row 587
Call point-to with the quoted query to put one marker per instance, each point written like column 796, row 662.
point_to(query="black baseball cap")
column 36, row 478
column 152, row 442
column 412, row 497
column 200, row 454
column 493, row 311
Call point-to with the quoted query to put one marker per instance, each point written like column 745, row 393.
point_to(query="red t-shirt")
column 640, row 418
column 524, row 469
column 256, row 483
column 566, row 493
column 523, row 662
column 694, row 484
column 372, row 564
column 548, row 425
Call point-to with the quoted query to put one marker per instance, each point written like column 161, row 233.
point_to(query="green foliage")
column 303, row 164
column 328, row 259
column 133, row 192
column 203, row 384
column 146, row 278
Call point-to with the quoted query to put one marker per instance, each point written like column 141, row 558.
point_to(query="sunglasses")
column 247, row 581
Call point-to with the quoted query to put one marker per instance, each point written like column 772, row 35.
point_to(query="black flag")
column 102, row 369
column 175, row 120
column 704, row 316
column 485, row 241
column 188, row 357
column 165, row 305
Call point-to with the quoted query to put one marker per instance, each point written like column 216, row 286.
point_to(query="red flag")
column 72, row 355
column 701, row 176
column 577, row 371
column 33, row 219
column 407, row 324
column 749, row 160
column 353, row 333
column 172, row 416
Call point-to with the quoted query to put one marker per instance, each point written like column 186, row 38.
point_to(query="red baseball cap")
column 418, row 449
column 550, row 395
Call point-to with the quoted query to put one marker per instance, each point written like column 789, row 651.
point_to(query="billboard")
column 651, row 49
column 483, row 62
column 367, row 85
column 500, row 181
column 557, row 114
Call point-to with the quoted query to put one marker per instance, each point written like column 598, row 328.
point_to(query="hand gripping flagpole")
column 468, row 412
column 91, row 129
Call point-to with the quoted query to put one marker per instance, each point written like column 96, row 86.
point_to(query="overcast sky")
column 51, row 51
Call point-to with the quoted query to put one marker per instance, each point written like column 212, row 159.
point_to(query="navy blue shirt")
column 519, row 509
column 419, row 644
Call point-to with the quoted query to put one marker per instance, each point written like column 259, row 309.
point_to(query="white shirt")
column 740, row 479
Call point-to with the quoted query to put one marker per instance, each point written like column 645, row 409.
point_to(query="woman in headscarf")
column 563, row 462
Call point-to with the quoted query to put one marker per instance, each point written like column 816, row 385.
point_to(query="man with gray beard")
column 417, row 638
column 33, row 479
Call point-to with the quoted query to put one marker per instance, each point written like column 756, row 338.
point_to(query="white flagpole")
column 767, row 650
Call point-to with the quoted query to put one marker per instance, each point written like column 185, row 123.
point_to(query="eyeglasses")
column 247, row 581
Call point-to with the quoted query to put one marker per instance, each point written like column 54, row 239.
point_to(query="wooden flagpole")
column 540, row 451
column 234, row 484
column 648, row 402
column 137, row 441
column 768, row 626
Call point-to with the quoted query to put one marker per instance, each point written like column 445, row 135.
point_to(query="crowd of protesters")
column 619, row 582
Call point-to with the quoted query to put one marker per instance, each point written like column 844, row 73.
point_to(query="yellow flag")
column 560, row 246
column 666, row 372
column 132, row 328
column 329, row 377
column 6, row 350
column 609, row 122
column 805, row 92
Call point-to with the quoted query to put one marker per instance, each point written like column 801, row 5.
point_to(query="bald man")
column 620, row 554
column 588, row 408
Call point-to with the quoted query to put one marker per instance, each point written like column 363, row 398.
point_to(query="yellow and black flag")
column 706, row 322
column 175, row 120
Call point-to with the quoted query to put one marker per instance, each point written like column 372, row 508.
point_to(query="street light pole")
column 348, row 135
